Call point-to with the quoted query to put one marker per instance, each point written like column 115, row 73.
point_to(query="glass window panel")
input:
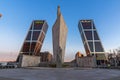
column 33, row 46
column 91, row 46
column 38, row 25
column 86, row 25
column 31, row 26
column 96, row 36
column 79, row 27
column 35, row 35
column 28, row 35
column 98, row 47
column 93, row 26
column 83, row 38
column 89, row 35
column 26, row 47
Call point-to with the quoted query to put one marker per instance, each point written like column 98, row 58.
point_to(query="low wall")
column 86, row 62
column 30, row 61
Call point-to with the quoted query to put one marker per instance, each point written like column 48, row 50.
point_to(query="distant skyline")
column 17, row 16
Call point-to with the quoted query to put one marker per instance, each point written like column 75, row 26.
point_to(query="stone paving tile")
column 59, row 74
column 2, row 78
column 115, row 78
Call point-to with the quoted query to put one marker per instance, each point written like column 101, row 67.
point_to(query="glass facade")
column 83, row 38
column 91, row 46
column 35, row 37
column 86, row 24
column 96, row 36
column 98, row 47
column 38, row 25
column 26, row 47
column 90, row 37
column 28, row 36
column 80, row 28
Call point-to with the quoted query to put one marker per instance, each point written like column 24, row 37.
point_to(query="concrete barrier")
column 29, row 61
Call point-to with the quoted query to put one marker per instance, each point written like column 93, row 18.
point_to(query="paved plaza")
column 59, row 74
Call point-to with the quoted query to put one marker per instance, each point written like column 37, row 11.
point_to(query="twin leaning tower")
column 36, row 34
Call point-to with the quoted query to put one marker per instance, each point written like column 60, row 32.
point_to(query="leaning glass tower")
column 34, row 38
column 91, row 40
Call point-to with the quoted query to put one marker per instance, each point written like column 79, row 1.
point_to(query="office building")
column 34, row 39
column 91, row 40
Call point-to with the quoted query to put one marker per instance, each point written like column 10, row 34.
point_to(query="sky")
column 17, row 16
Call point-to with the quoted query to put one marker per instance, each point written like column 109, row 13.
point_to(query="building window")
column 28, row 36
column 31, row 27
column 32, row 46
column 35, row 35
column 93, row 26
column 91, row 46
column 83, row 38
column 26, row 47
column 38, row 25
column 79, row 27
column 86, row 25
column 96, row 36
column 89, row 35
column 98, row 47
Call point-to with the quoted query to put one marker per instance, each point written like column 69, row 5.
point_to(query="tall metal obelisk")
column 59, row 35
